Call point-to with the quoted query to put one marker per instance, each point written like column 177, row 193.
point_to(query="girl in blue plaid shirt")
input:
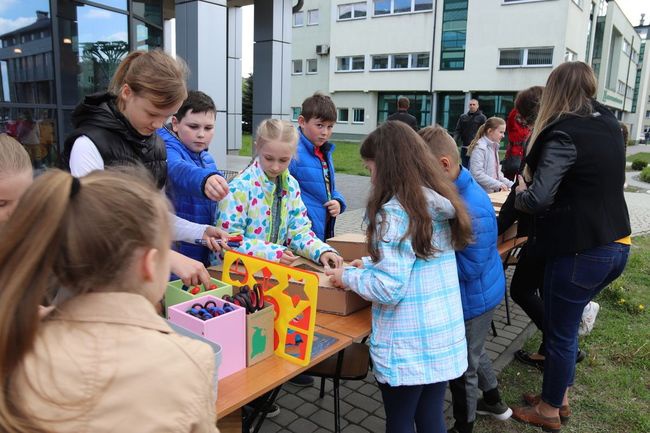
column 415, row 220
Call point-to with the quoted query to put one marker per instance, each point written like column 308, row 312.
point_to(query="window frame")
column 293, row 67
column 307, row 71
column 390, row 62
column 353, row 11
column 300, row 14
column 524, row 52
column 391, row 9
column 338, row 115
column 350, row 63
column 309, row 16
column 354, row 111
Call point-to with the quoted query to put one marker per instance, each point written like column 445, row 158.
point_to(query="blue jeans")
column 570, row 282
column 416, row 406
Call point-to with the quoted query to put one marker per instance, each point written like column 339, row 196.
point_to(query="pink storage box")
column 228, row 330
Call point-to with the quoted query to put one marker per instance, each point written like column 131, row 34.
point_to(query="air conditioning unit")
column 322, row 49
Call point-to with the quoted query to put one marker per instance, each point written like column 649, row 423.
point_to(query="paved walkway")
column 361, row 405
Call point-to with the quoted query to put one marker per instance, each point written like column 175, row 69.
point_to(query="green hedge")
column 639, row 164
column 645, row 174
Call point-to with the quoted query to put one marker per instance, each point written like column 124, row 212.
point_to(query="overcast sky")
column 632, row 9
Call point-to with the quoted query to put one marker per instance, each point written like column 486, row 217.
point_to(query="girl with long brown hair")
column 102, row 359
column 483, row 154
column 415, row 220
column 575, row 164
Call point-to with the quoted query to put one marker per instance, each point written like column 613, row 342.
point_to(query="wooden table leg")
column 231, row 423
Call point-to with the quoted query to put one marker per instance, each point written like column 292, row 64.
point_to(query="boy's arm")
column 233, row 215
column 473, row 258
column 186, row 177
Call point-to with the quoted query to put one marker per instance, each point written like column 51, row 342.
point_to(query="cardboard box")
column 175, row 294
column 330, row 299
column 227, row 330
column 351, row 246
column 259, row 335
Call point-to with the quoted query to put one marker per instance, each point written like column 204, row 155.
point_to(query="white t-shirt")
column 85, row 157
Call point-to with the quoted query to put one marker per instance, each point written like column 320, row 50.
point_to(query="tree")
column 247, row 104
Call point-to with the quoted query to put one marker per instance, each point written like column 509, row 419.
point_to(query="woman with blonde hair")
column 575, row 174
column 117, row 127
column 15, row 175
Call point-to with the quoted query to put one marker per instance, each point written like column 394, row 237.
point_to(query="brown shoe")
column 534, row 399
column 529, row 415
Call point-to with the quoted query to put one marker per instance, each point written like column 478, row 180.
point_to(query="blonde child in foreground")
column 15, row 175
column 95, row 363
column 483, row 154
column 415, row 219
column 264, row 204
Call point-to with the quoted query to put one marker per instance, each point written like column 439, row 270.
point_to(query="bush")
column 639, row 164
column 645, row 174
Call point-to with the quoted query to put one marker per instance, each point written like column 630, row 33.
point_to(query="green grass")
column 612, row 391
column 643, row 156
column 346, row 157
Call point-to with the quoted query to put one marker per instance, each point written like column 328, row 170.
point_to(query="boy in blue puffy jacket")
column 193, row 183
column 313, row 166
column 482, row 286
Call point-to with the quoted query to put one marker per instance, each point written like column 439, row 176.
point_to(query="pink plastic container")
column 227, row 330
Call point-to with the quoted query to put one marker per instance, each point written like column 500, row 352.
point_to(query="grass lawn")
column 346, row 156
column 612, row 391
column 643, row 156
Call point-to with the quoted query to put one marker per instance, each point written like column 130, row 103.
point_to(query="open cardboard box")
column 351, row 246
column 330, row 299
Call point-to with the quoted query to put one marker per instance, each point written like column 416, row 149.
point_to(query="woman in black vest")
column 575, row 171
column 118, row 127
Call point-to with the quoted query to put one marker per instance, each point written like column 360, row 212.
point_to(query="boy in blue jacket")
column 193, row 183
column 482, row 286
column 313, row 166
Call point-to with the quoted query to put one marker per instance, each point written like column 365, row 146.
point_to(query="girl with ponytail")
column 484, row 156
column 96, row 361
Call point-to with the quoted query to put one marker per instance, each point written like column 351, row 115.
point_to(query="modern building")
column 640, row 117
column 442, row 53
column 54, row 52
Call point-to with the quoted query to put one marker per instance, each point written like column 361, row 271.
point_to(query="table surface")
column 498, row 198
column 246, row 385
column 356, row 326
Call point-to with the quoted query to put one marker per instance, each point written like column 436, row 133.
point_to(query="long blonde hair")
column 154, row 75
column 569, row 89
column 85, row 232
column 491, row 123
column 13, row 156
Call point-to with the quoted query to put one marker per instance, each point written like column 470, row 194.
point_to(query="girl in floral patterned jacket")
column 265, row 207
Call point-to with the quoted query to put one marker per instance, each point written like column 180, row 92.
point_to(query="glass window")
column 358, row 115
column 360, row 9
column 345, row 12
column 343, row 115
column 540, row 56
column 400, row 61
column 148, row 37
column 401, row 6
column 295, row 112
column 35, row 129
column 312, row 17
column 454, row 34
column 423, row 5
column 298, row 19
column 420, row 106
column 380, row 62
column 93, row 42
column 421, row 60
column 23, row 75
column 150, row 10
column 382, row 7
column 343, row 64
column 297, row 67
column 512, row 57
column 358, row 63
column 312, row 66
column 119, row 4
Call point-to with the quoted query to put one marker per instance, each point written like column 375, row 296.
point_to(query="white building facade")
column 366, row 54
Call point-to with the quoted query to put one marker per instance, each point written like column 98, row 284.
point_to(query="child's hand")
column 211, row 234
column 331, row 260
column 504, row 187
column 192, row 272
column 521, row 185
column 288, row 258
column 333, row 207
column 336, row 276
column 216, row 187
column 357, row 263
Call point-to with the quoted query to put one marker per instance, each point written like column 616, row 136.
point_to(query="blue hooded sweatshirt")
column 480, row 272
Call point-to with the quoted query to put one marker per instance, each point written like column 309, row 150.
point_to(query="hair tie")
column 75, row 187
